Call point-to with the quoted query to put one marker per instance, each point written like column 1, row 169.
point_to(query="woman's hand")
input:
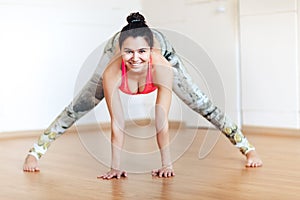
column 113, row 173
column 163, row 172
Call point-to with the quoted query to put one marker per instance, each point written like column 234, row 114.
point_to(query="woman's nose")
column 135, row 56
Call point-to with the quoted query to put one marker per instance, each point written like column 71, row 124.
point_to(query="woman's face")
column 136, row 53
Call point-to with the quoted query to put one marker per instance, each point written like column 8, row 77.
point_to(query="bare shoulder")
column 159, row 59
column 163, row 69
column 160, row 63
column 112, row 70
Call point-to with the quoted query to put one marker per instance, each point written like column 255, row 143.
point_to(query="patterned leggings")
column 92, row 93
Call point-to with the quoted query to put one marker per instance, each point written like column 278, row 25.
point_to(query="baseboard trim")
column 86, row 127
column 260, row 130
column 247, row 130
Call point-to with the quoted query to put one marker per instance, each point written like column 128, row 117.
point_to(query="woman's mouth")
column 137, row 64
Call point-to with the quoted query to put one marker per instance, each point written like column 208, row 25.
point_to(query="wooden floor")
column 68, row 171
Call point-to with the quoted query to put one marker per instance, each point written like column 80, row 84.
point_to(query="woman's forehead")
column 135, row 43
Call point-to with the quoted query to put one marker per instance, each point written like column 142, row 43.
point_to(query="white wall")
column 270, row 69
column 298, row 56
column 43, row 45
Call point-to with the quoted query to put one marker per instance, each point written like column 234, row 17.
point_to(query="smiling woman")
column 136, row 53
column 141, row 60
column 136, row 44
column 138, row 65
column 142, row 71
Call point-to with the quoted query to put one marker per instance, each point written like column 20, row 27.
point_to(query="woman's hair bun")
column 135, row 17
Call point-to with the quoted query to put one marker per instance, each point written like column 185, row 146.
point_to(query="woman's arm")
column 163, row 79
column 162, row 124
column 111, row 82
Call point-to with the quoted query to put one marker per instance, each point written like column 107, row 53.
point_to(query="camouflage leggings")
column 92, row 93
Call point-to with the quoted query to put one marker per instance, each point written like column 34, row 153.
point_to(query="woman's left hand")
column 163, row 172
column 113, row 173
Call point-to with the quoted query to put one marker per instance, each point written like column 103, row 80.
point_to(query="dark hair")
column 136, row 27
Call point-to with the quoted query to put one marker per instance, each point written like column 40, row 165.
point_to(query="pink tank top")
column 149, row 86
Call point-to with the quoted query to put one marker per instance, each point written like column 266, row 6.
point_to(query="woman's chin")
column 137, row 68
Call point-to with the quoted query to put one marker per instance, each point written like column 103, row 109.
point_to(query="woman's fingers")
column 113, row 174
column 121, row 174
column 163, row 172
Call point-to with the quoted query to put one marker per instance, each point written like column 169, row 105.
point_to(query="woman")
column 99, row 86
column 142, row 71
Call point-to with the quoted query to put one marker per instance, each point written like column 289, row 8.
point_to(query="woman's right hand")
column 113, row 173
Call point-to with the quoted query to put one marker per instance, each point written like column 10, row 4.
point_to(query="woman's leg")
column 85, row 101
column 88, row 97
column 191, row 95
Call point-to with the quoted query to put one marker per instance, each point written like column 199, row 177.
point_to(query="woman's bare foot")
column 253, row 159
column 30, row 164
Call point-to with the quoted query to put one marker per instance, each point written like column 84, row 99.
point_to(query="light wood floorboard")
column 68, row 170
